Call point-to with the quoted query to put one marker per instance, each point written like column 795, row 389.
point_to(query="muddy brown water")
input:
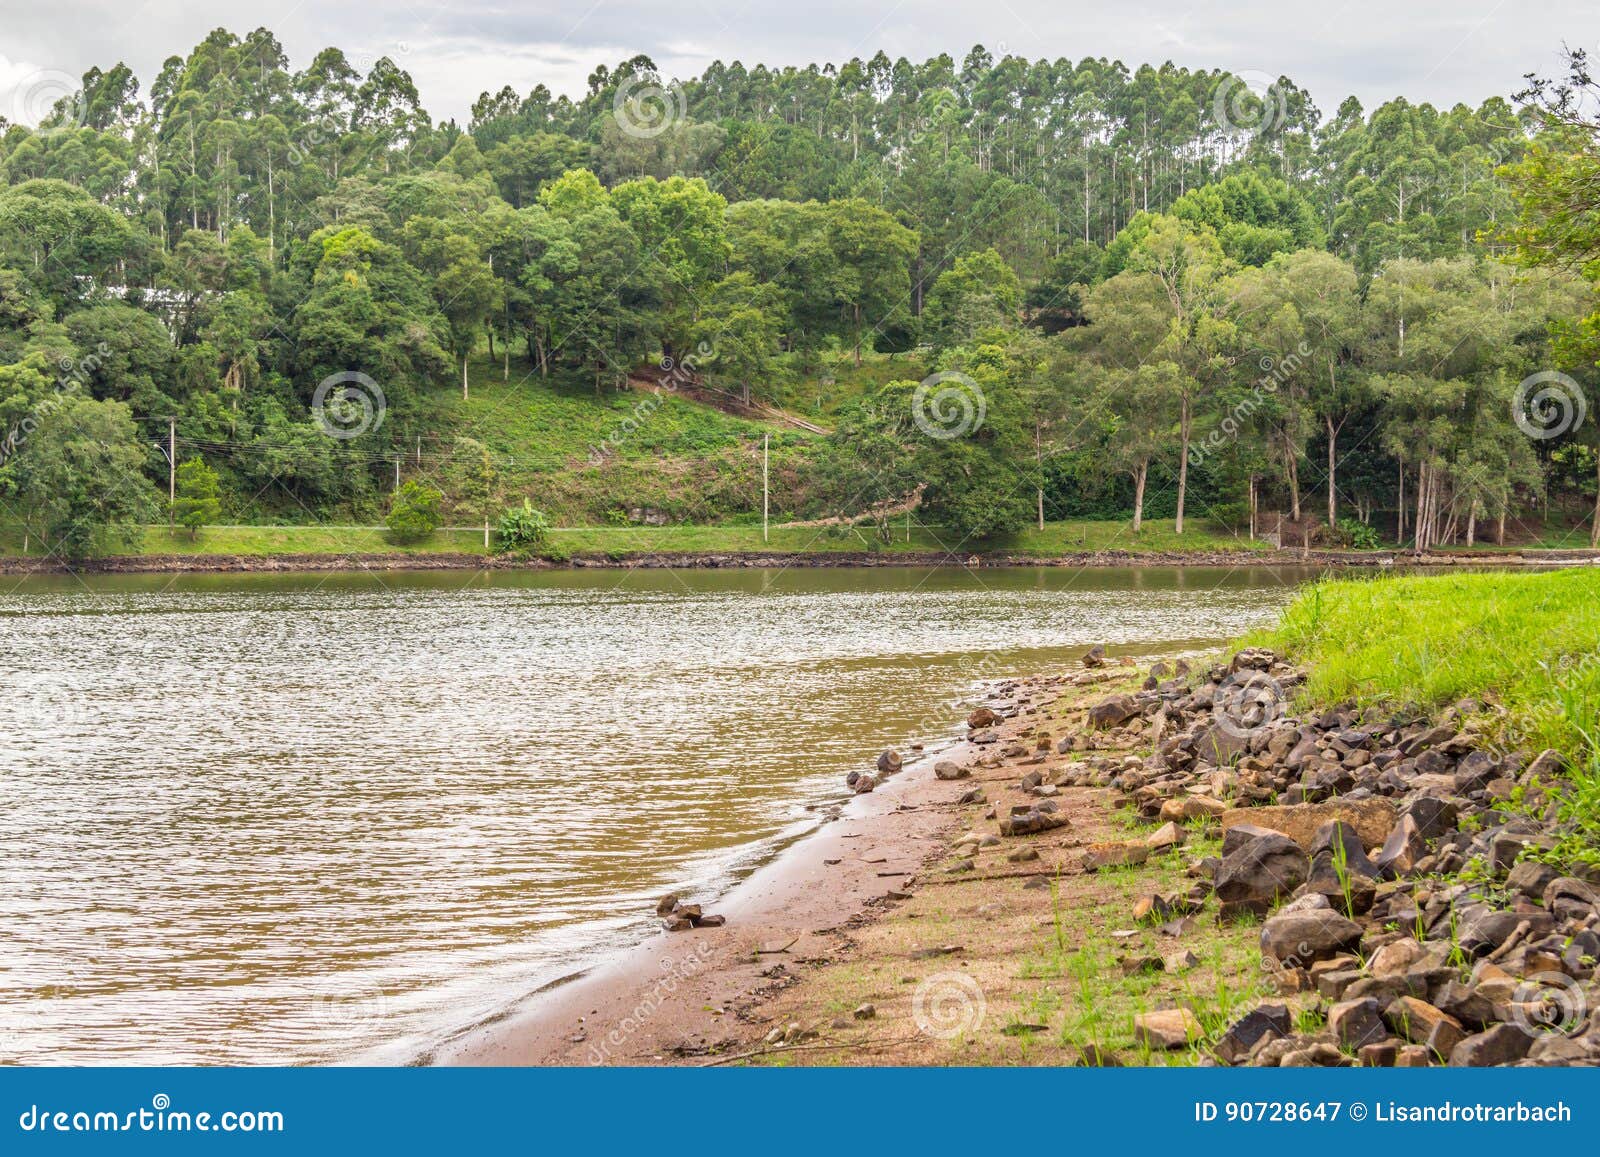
column 279, row 819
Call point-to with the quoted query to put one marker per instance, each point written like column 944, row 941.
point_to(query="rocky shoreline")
column 1404, row 904
column 1124, row 866
column 733, row 560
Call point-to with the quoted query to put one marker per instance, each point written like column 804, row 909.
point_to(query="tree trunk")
column 1183, row 460
column 1333, row 506
column 1472, row 524
column 1138, row 495
column 1594, row 535
column 858, row 336
column 1038, row 455
column 486, row 532
column 463, row 375
column 1252, row 508
column 1294, row 483
column 1400, row 503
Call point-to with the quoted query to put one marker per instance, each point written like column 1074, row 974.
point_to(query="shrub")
column 523, row 529
column 1358, row 535
column 415, row 512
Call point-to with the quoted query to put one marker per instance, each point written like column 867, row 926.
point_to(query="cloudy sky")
column 1437, row 50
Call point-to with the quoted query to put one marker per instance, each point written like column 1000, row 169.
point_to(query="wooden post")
column 766, row 447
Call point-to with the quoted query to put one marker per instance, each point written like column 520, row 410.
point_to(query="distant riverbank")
column 222, row 549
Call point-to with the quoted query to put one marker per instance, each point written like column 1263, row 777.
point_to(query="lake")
column 283, row 819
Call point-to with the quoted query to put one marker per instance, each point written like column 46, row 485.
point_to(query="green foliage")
column 523, row 529
column 415, row 512
column 1358, row 535
column 198, row 501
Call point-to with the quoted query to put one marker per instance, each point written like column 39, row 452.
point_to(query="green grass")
column 1056, row 539
column 1527, row 643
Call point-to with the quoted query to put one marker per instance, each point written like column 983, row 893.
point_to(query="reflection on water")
column 280, row 819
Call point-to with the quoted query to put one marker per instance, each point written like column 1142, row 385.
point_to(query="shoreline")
column 650, row 1002
column 1083, row 927
column 678, row 996
column 783, row 560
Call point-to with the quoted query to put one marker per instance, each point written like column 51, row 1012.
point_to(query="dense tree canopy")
column 1158, row 290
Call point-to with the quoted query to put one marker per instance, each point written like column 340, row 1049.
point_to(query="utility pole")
column 766, row 446
column 172, row 473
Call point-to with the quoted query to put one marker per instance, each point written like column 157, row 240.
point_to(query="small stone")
column 982, row 717
column 1242, row 1037
column 1423, row 1024
column 1381, row 1055
column 710, row 921
column 864, row 783
column 1395, row 958
column 1168, row 835
column 1113, row 855
column 1171, row 1028
column 1180, row 961
column 865, row 1012
column 1306, row 936
column 1023, row 855
column 889, row 762
column 976, row 795
column 1413, row 1057
column 1113, row 712
column 1504, row 1044
column 945, row 769
column 1357, row 1022
column 666, row 904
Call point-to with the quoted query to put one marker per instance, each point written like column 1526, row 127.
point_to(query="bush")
column 1358, row 535
column 523, row 529
column 415, row 512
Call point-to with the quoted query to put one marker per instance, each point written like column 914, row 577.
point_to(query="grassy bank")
column 1529, row 642
column 1059, row 538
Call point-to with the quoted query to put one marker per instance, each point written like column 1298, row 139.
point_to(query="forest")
column 993, row 291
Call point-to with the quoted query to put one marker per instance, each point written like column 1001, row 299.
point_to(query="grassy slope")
column 1528, row 641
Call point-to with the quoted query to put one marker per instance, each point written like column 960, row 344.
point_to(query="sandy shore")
column 687, row 994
